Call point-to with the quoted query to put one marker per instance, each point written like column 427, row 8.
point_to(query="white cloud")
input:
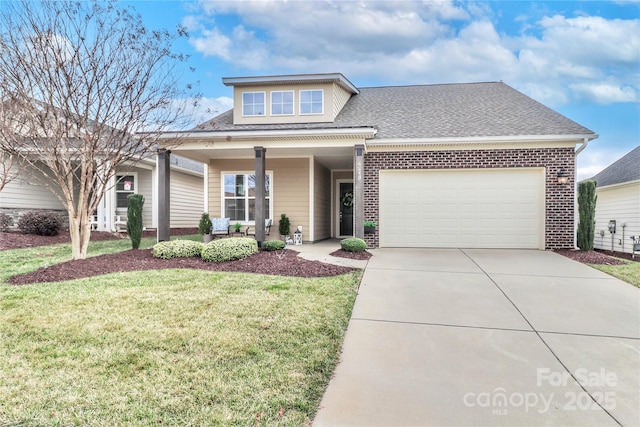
column 210, row 107
column 595, row 159
column 605, row 93
column 556, row 60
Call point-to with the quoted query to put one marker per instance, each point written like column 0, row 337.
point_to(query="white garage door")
column 470, row 208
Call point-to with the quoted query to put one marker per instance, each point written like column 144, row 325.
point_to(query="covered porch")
column 314, row 177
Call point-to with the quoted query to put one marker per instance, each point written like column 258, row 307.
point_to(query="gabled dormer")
column 303, row 98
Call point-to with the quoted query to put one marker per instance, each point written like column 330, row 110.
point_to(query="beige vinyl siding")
column 290, row 189
column 340, row 97
column 322, row 202
column 186, row 199
column 25, row 192
column 328, row 109
column 622, row 204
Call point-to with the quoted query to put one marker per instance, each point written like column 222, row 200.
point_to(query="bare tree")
column 8, row 171
column 84, row 88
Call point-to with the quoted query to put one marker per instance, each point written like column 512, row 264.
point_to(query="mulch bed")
column 17, row 240
column 593, row 257
column 279, row 263
column 363, row 256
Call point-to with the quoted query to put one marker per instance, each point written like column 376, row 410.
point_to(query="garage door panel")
column 480, row 208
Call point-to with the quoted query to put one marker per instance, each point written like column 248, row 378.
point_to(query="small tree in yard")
column 7, row 170
column 587, row 210
column 81, row 85
column 134, row 218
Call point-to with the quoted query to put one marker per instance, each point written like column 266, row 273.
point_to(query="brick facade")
column 559, row 210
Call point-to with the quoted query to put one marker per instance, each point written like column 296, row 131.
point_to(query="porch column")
column 260, row 214
column 164, row 217
column 358, row 190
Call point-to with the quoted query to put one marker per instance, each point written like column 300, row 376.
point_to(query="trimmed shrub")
column 134, row 218
column 273, row 245
column 177, row 249
column 353, row 244
column 229, row 249
column 284, row 226
column 204, row 226
column 587, row 210
column 40, row 223
column 6, row 221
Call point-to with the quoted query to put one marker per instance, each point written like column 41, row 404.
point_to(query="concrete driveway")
column 487, row 337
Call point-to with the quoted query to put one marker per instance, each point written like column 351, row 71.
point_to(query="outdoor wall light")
column 563, row 177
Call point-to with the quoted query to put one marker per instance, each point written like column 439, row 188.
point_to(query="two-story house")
column 477, row 165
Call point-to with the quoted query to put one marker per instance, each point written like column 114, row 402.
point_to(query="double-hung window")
column 282, row 103
column 253, row 103
column 311, row 101
column 125, row 185
column 239, row 196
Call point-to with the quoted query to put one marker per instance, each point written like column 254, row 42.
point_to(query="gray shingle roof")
column 435, row 111
column 625, row 169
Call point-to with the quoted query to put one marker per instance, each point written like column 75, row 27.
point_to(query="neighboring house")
column 187, row 202
column 618, row 191
column 449, row 166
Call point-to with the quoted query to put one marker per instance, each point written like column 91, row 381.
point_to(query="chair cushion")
column 220, row 224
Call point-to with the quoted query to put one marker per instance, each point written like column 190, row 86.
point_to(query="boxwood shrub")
column 6, row 221
column 229, row 249
column 177, row 249
column 273, row 245
column 353, row 244
column 40, row 223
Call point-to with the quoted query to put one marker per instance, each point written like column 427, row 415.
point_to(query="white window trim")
column 222, row 198
column 115, row 187
column 300, row 102
column 293, row 102
column 264, row 112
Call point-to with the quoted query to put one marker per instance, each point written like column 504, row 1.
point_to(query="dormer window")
column 282, row 103
column 312, row 101
column 253, row 104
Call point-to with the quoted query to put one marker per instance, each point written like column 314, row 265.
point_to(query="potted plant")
column 204, row 227
column 284, row 227
column 237, row 227
column 370, row 227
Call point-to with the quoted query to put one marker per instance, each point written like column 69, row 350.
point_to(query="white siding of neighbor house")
column 25, row 192
column 622, row 204
column 187, row 198
column 144, row 187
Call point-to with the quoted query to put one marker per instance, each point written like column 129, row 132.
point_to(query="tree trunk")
column 80, row 231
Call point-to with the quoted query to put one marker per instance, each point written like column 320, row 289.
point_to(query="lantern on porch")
column 297, row 236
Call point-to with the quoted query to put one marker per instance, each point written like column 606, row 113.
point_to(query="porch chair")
column 251, row 230
column 220, row 227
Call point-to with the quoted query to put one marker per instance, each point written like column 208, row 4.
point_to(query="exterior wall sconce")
column 563, row 177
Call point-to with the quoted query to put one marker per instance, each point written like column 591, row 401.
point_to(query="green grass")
column 629, row 272
column 171, row 347
column 20, row 261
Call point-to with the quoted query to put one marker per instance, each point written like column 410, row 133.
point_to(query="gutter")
column 585, row 142
column 253, row 134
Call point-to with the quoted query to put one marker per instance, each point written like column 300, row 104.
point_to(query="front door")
column 345, row 203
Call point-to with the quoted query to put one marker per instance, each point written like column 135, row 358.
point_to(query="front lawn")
column 629, row 272
column 171, row 347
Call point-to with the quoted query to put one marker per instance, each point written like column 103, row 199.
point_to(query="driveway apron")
column 487, row 337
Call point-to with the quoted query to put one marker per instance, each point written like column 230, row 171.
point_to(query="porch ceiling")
column 332, row 157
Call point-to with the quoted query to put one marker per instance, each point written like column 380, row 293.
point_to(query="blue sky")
column 581, row 58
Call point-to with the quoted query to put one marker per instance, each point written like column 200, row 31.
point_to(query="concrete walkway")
column 487, row 337
column 320, row 252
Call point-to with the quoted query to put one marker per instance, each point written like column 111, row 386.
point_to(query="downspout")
column 585, row 142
